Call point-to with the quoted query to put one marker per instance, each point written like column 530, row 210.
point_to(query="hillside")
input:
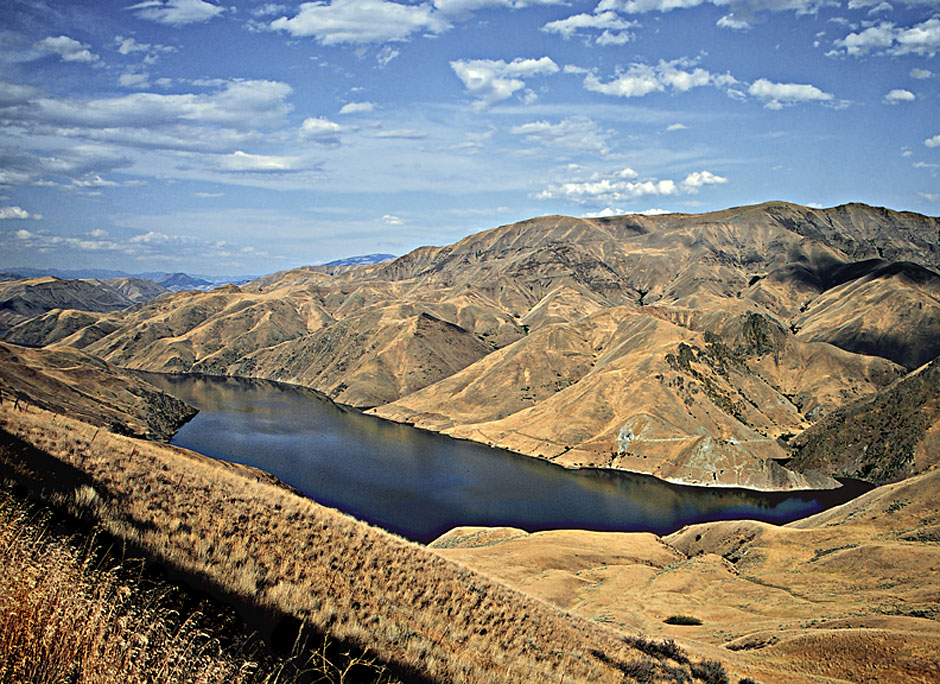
column 295, row 567
column 681, row 346
column 848, row 595
column 883, row 438
column 73, row 383
column 21, row 300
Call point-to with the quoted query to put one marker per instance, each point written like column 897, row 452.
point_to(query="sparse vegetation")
column 682, row 620
column 243, row 536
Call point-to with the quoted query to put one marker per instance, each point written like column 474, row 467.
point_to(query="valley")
column 772, row 347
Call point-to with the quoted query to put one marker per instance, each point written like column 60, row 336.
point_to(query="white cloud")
column 177, row 12
column 614, row 27
column 15, row 212
column 320, row 129
column 883, row 7
column 899, row 95
column 391, row 220
column 699, row 179
column 679, row 75
column 129, row 46
column 268, row 9
column 731, row 21
column 208, row 195
column 386, row 55
column 361, row 21
column 776, row 95
column 462, row 8
column 888, row 39
column 933, row 142
column 676, row 127
column 261, row 163
column 23, row 234
column 239, row 104
column 619, row 189
column 357, row 107
column 68, row 49
column 402, row 133
column 493, row 81
column 134, row 79
column 930, row 196
column 921, row 74
column 576, row 133
column 654, row 212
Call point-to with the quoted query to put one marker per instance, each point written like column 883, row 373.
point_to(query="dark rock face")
column 879, row 439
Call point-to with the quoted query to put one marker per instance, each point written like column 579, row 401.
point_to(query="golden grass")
column 63, row 618
column 245, row 535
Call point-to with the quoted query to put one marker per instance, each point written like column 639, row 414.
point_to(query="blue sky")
column 247, row 136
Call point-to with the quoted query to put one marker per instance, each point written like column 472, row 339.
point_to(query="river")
column 419, row 484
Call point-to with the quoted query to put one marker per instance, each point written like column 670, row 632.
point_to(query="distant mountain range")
column 364, row 260
column 161, row 277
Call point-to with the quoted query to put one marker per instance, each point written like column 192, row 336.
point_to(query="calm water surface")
column 420, row 484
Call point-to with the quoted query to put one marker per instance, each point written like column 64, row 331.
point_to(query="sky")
column 246, row 137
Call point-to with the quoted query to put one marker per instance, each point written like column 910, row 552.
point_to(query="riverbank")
column 237, row 531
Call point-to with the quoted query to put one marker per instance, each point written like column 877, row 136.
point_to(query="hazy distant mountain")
column 104, row 274
column 364, row 260
column 27, row 298
column 181, row 281
column 678, row 345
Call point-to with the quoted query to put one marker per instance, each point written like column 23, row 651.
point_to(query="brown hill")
column 24, row 299
column 73, row 383
column 678, row 345
column 882, row 438
column 848, row 595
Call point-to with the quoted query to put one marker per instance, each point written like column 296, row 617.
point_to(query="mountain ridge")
column 680, row 345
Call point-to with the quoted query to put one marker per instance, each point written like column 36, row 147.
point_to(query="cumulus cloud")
column 15, row 212
column 676, row 127
column 679, row 75
column 899, row 95
column 777, row 95
column 177, row 12
column 615, row 29
column 357, row 107
column 321, row 130
column 68, row 49
column 391, row 220
column 361, row 21
column 492, row 81
column 886, row 38
column 576, row 133
column 623, row 188
column 921, row 74
column 933, row 142
column 240, row 161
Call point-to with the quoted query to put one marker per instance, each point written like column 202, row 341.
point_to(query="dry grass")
column 64, row 618
column 244, row 535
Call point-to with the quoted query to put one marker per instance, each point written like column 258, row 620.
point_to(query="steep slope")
column 24, row 299
column 679, row 345
column 71, row 382
column 882, row 438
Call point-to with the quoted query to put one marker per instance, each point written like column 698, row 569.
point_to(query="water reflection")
column 420, row 485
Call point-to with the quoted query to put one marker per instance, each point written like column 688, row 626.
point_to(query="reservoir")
column 419, row 484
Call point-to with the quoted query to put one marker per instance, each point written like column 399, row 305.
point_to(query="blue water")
column 419, row 484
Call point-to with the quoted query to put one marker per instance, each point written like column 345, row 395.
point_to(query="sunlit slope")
column 679, row 345
column 73, row 383
column 847, row 595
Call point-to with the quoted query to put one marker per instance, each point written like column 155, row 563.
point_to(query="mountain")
column 24, row 299
column 882, row 438
column 364, row 260
column 70, row 382
column 689, row 347
column 181, row 281
column 110, row 274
